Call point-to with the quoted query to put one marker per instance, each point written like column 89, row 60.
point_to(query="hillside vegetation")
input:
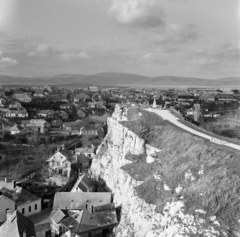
column 208, row 174
column 227, row 125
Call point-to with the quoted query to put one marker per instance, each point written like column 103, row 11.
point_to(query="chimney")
column 71, row 230
column 8, row 215
column 63, row 147
column 90, row 209
column 13, row 184
column 24, row 234
column 5, row 180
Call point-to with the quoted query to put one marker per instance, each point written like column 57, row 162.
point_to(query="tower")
column 154, row 103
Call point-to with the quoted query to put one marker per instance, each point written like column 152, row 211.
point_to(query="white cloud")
column 140, row 13
column 8, row 61
column 30, row 54
column 42, row 48
column 83, row 55
column 69, row 56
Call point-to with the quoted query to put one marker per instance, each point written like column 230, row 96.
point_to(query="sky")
column 187, row 38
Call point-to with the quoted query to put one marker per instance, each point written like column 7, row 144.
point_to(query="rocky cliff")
column 167, row 182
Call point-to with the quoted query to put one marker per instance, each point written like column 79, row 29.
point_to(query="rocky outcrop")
column 158, row 176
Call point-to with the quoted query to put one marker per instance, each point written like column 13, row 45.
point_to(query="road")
column 167, row 115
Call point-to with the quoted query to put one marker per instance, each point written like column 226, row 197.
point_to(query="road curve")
column 167, row 115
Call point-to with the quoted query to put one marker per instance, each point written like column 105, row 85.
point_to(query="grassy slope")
column 217, row 191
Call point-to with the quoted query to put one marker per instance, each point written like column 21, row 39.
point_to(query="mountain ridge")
column 112, row 78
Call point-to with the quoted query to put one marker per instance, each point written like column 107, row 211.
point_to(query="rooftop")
column 19, row 195
column 16, row 225
column 66, row 200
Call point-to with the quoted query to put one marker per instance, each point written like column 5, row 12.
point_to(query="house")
column 84, row 163
column 97, row 104
column 57, row 123
column 80, row 113
column 90, row 130
column 186, row 98
column 2, row 102
column 190, row 112
column 207, row 97
column 58, row 97
column 87, row 151
column 92, row 89
column 84, row 184
column 80, row 200
column 14, row 105
column 2, row 94
column 16, row 114
column 7, row 185
column 225, row 97
column 45, row 114
column 59, row 163
column 98, row 221
column 70, row 126
column 63, row 114
column 80, row 97
column 39, row 125
column 22, row 97
column 15, row 129
column 17, row 225
column 90, row 214
column 39, row 93
column 65, row 106
column 18, row 199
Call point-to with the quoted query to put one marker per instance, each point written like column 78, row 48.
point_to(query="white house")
column 16, row 114
column 22, row 97
column 15, row 129
column 59, row 163
column 19, row 199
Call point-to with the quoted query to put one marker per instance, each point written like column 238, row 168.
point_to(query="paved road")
column 167, row 115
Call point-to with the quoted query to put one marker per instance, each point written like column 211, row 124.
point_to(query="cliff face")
column 167, row 183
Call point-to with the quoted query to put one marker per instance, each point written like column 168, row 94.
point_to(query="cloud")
column 69, row 56
column 139, row 13
column 222, row 58
column 8, row 61
column 171, row 35
column 83, row 55
column 42, row 48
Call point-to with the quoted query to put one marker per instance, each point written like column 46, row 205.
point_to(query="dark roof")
column 102, row 216
column 76, row 201
column 17, row 224
column 86, row 183
column 84, row 221
column 19, row 195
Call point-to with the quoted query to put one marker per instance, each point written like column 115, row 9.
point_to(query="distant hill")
column 120, row 79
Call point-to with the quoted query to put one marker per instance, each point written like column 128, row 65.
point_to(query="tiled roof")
column 85, row 183
column 57, row 215
column 19, row 195
column 102, row 216
column 16, row 226
column 66, row 200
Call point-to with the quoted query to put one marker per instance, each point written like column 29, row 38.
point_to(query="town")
column 49, row 136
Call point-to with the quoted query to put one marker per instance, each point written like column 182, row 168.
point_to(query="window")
column 29, row 209
column 35, row 206
column 23, row 211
